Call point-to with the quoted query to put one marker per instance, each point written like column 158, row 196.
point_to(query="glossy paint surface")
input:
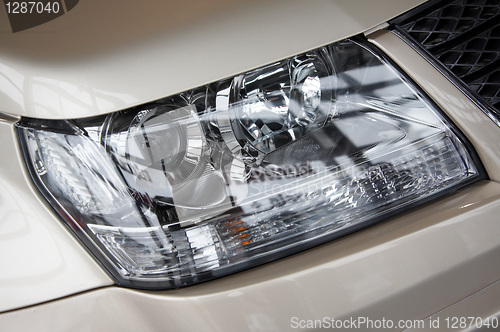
column 104, row 56
column 409, row 267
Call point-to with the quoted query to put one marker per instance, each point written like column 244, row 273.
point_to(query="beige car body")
column 438, row 260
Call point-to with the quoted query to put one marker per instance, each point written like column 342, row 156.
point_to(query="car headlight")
column 248, row 169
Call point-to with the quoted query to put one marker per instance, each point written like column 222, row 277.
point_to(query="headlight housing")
column 248, row 169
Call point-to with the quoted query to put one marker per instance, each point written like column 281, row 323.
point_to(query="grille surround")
column 463, row 36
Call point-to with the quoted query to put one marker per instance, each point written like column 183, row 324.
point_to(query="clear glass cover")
column 248, row 169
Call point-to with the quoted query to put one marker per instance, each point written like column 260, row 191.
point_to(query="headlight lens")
column 248, row 169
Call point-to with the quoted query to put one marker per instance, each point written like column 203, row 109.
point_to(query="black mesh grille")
column 464, row 35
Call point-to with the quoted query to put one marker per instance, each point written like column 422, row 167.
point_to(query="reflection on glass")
column 227, row 173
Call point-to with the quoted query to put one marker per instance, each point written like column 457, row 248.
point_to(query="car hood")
column 104, row 56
